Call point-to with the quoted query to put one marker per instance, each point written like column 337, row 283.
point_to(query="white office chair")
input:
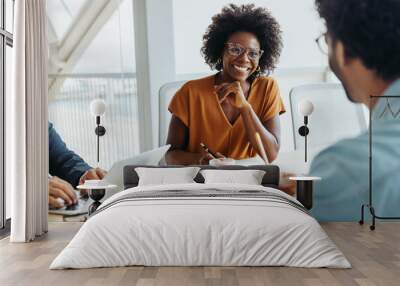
column 334, row 116
column 165, row 94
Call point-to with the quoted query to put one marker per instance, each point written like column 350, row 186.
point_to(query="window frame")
column 6, row 39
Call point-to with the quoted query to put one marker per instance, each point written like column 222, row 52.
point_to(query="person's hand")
column 286, row 185
column 205, row 157
column 59, row 188
column 231, row 93
column 91, row 174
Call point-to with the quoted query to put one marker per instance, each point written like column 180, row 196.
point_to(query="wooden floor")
column 375, row 257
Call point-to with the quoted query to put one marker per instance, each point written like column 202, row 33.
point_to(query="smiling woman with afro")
column 224, row 111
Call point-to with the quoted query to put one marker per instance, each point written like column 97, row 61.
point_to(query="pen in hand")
column 261, row 148
column 204, row 146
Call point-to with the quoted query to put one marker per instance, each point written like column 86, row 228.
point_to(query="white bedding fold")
column 200, row 231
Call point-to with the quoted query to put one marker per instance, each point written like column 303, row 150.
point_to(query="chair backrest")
column 334, row 116
column 167, row 91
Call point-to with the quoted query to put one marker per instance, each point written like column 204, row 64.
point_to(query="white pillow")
column 166, row 176
column 248, row 177
column 152, row 157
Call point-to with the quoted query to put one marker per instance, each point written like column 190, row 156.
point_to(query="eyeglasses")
column 236, row 50
column 322, row 43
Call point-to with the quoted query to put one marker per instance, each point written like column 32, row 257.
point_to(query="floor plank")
column 374, row 255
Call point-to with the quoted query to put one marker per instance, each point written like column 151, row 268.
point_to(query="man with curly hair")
column 363, row 38
column 226, row 110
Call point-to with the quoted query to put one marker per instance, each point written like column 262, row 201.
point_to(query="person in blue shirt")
column 363, row 38
column 67, row 170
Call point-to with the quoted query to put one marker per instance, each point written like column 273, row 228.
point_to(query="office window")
column 298, row 19
column 9, row 12
column 97, row 63
column 6, row 42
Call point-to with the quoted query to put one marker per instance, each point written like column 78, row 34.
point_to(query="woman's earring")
column 258, row 69
column 219, row 63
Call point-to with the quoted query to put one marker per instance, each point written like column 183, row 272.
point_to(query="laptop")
column 81, row 207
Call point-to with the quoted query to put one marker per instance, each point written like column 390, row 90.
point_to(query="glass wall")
column 298, row 19
column 8, row 81
column 97, row 63
column 9, row 15
column 6, row 42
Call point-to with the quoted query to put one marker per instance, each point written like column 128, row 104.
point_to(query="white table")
column 96, row 193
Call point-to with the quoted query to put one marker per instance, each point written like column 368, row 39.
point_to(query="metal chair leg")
column 361, row 222
column 372, row 210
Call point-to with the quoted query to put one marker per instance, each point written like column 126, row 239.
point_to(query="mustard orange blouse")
column 196, row 105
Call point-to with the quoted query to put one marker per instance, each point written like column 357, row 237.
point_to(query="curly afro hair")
column 368, row 29
column 244, row 18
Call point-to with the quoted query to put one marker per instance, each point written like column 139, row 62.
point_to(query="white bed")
column 250, row 226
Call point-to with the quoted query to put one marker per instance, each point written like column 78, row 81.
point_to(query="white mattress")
column 200, row 231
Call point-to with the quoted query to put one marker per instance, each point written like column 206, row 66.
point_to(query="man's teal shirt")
column 344, row 168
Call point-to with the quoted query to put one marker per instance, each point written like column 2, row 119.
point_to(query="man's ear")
column 340, row 54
